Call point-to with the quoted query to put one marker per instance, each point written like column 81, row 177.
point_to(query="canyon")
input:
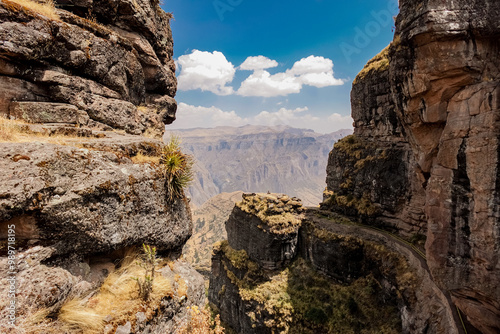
column 406, row 239
column 258, row 158
column 411, row 197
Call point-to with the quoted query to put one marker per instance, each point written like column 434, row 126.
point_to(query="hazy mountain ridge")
column 208, row 228
column 258, row 159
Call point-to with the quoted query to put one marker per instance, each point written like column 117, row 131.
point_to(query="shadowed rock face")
column 436, row 97
column 110, row 63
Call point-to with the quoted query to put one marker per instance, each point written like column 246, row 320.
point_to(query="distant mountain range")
column 258, row 159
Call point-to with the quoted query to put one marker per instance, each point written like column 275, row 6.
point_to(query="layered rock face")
column 81, row 187
column 102, row 64
column 266, row 227
column 428, row 107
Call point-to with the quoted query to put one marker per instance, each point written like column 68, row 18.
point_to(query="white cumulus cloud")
column 258, row 63
column 262, row 83
column 208, row 71
column 189, row 116
column 312, row 71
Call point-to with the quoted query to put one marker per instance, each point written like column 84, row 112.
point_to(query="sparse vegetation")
column 16, row 131
column 46, row 8
column 377, row 64
column 201, row 322
column 281, row 214
column 363, row 206
column 300, row 300
column 177, row 168
column 141, row 158
column 118, row 298
column 148, row 263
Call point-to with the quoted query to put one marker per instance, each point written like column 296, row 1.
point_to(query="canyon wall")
column 424, row 157
column 85, row 88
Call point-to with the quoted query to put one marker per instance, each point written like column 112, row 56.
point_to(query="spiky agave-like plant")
column 177, row 168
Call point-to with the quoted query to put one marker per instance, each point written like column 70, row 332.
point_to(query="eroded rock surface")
column 102, row 63
column 82, row 95
column 426, row 114
column 266, row 227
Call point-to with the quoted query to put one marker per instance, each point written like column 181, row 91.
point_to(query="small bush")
column 200, row 322
column 145, row 284
column 177, row 168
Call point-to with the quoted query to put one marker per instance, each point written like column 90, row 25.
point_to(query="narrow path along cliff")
column 325, row 220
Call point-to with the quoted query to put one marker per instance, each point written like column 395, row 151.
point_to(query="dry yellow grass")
column 46, row 8
column 118, row 297
column 77, row 316
column 16, row 131
column 145, row 159
column 10, row 130
column 200, row 322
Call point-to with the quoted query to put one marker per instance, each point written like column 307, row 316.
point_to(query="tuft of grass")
column 177, row 168
column 10, row 130
column 378, row 63
column 118, row 298
column 46, row 8
column 77, row 316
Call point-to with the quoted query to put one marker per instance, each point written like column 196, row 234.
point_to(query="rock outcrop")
column 103, row 64
column 266, row 226
column 424, row 156
column 320, row 273
column 84, row 89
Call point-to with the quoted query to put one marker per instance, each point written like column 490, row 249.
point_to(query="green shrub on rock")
column 177, row 168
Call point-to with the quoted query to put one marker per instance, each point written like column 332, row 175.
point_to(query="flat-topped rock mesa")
column 424, row 159
column 85, row 88
column 266, row 227
column 97, row 64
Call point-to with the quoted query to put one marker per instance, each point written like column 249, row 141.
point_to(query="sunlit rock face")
column 433, row 106
column 105, row 64
column 83, row 95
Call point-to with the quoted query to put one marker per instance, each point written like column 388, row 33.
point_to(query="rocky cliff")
column 97, row 64
column 424, row 156
column 289, row 271
column 84, row 86
column 259, row 158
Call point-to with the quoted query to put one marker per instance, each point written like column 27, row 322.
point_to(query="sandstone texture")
column 425, row 156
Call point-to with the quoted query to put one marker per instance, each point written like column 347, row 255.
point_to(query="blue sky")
column 309, row 54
